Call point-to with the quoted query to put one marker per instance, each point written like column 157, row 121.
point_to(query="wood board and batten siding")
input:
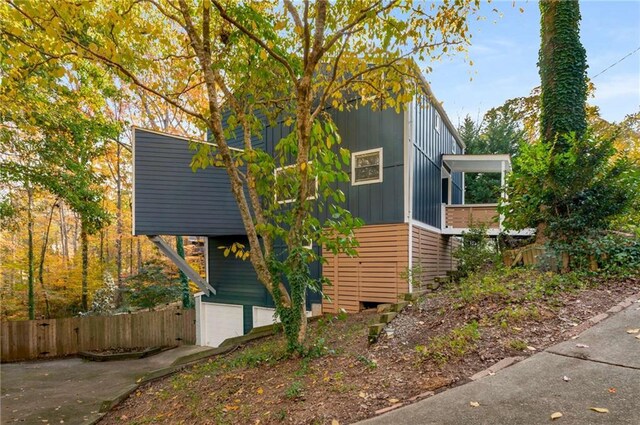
column 433, row 252
column 465, row 216
column 41, row 339
column 373, row 276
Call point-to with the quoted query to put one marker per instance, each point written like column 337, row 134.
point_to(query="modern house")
column 406, row 183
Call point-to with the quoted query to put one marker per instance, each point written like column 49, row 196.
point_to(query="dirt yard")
column 434, row 344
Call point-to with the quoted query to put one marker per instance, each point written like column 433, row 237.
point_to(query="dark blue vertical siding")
column 428, row 147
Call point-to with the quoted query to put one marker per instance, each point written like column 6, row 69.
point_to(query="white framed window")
column 437, row 122
column 286, row 173
column 366, row 167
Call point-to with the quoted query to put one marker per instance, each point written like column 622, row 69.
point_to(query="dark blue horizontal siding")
column 171, row 199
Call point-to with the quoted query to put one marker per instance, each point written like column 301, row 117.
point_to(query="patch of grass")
column 317, row 349
column 518, row 344
column 269, row 353
column 515, row 314
column 182, row 381
column 338, row 385
column 281, row 414
column 515, row 286
column 455, row 344
column 371, row 364
column 294, row 390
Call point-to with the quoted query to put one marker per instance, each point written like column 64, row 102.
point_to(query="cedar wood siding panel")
column 373, row 276
column 428, row 147
column 433, row 252
column 171, row 199
column 463, row 216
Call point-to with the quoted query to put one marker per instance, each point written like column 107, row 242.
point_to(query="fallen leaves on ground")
column 566, row 378
column 582, row 346
column 633, row 331
column 612, row 390
column 474, row 404
column 556, row 415
column 600, row 409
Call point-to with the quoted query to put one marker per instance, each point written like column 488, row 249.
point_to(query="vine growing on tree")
column 563, row 72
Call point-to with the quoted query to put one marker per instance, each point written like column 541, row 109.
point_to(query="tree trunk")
column 302, row 332
column 75, row 234
column 102, row 246
column 107, row 252
column 184, row 281
column 31, row 296
column 64, row 241
column 130, row 246
column 84, row 243
column 43, row 253
column 139, row 255
column 563, row 74
column 566, row 262
column 119, row 297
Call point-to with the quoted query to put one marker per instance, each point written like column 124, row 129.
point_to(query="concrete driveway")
column 72, row 391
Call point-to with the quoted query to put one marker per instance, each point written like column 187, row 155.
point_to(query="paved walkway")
column 71, row 391
column 604, row 374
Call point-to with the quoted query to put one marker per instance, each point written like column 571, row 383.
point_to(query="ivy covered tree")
column 563, row 72
column 572, row 183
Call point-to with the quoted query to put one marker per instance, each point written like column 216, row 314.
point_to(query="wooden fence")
column 41, row 339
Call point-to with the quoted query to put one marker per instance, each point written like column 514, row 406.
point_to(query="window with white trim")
column 366, row 167
column 287, row 184
column 438, row 122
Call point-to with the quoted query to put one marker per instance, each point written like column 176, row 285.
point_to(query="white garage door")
column 263, row 316
column 219, row 322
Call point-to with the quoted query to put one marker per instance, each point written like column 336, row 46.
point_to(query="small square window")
column 366, row 167
column 287, row 180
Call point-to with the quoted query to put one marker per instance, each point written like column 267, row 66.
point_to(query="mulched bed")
column 118, row 350
column 115, row 354
column 351, row 380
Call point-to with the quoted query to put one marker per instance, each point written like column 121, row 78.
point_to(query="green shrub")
column 476, row 252
column 612, row 252
column 152, row 287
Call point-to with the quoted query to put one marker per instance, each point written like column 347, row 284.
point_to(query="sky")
column 504, row 52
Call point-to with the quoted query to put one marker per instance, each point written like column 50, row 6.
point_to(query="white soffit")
column 477, row 163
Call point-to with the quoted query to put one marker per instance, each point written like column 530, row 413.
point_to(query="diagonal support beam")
column 182, row 264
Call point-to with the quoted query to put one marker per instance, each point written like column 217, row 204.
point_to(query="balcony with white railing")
column 458, row 218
